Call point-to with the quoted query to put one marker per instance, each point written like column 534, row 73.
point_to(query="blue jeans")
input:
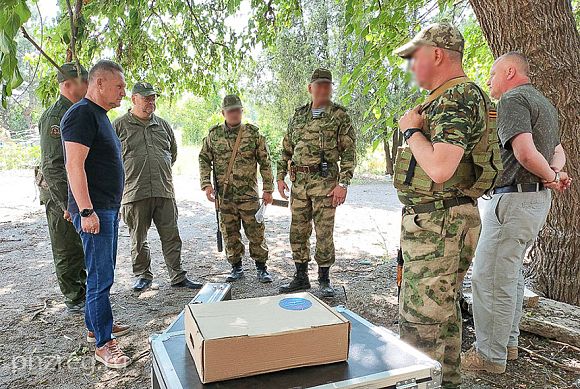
column 100, row 260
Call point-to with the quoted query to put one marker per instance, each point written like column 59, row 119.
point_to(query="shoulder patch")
column 54, row 131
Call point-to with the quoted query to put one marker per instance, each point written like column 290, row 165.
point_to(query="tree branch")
column 40, row 50
column 195, row 18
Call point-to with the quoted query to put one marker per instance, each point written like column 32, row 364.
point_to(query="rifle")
column 220, row 245
column 400, row 262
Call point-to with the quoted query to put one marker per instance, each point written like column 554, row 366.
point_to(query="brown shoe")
column 473, row 361
column 118, row 330
column 112, row 356
column 512, row 353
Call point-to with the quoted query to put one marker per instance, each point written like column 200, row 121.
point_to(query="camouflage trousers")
column 234, row 215
column 305, row 212
column 68, row 255
column 138, row 216
column 438, row 248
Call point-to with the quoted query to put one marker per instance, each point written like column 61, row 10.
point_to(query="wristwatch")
column 87, row 212
column 557, row 178
column 342, row 185
column 409, row 133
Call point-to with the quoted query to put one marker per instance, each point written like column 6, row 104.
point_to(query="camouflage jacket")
column 149, row 151
column 332, row 132
column 217, row 148
column 456, row 117
column 53, row 182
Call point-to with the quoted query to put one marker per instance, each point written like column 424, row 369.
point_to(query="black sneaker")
column 236, row 273
column 141, row 284
column 187, row 283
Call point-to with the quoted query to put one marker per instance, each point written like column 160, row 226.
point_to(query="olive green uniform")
column 240, row 202
column 332, row 133
column 67, row 249
column 149, row 150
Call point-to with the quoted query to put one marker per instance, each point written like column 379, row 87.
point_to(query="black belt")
column 438, row 205
column 307, row 169
column 520, row 188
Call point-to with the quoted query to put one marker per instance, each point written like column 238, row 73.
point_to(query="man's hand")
column 283, row 189
column 67, row 216
column 210, row 193
column 267, row 198
column 411, row 119
column 561, row 186
column 91, row 224
column 338, row 195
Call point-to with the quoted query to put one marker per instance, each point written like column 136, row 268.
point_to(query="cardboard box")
column 239, row 338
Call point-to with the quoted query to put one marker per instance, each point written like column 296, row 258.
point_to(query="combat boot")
column 236, row 273
column 324, row 282
column 262, row 273
column 300, row 280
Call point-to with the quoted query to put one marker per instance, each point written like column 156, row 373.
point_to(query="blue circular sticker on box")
column 295, row 303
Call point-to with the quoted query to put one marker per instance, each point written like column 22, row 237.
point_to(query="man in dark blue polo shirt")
column 95, row 174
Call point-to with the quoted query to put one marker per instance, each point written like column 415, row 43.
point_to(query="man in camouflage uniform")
column 149, row 151
column 319, row 152
column 440, row 227
column 239, row 201
column 67, row 249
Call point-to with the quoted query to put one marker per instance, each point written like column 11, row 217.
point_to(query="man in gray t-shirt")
column 524, row 109
column 533, row 159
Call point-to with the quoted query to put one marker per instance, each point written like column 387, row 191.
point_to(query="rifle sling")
column 233, row 158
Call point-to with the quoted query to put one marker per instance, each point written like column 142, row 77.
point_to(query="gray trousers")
column 510, row 225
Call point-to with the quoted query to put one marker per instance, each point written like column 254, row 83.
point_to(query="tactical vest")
column 477, row 172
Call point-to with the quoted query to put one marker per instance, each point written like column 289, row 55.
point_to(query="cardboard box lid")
column 262, row 316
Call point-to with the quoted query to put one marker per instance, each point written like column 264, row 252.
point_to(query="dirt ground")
column 41, row 346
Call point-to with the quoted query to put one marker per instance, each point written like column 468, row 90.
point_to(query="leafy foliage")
column 14, row 14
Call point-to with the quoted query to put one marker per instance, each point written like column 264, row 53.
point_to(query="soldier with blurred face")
column 241, row 146
column 451, row 139
column 149, row 151
column 67, row 248
column 319, row 154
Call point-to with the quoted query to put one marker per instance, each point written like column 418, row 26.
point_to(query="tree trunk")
column 545, row 31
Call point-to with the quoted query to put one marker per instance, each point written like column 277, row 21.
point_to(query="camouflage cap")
column 144, row 89
column 321, row 75
column 69, row 71
column 440, row 35
column 231, row 102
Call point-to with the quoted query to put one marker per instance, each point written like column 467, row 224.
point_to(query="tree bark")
column 545, row 31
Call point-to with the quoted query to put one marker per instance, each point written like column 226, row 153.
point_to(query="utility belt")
column 307, row 169
column 520, row 188
column 438, row 205
column 323, row 169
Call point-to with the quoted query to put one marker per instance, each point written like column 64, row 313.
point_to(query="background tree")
column 546, row 32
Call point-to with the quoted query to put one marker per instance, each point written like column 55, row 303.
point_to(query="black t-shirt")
column 88, row 124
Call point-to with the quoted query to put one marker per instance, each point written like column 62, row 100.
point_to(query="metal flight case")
column 377, row 359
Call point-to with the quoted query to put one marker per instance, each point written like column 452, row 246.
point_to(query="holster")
column 292, row 171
